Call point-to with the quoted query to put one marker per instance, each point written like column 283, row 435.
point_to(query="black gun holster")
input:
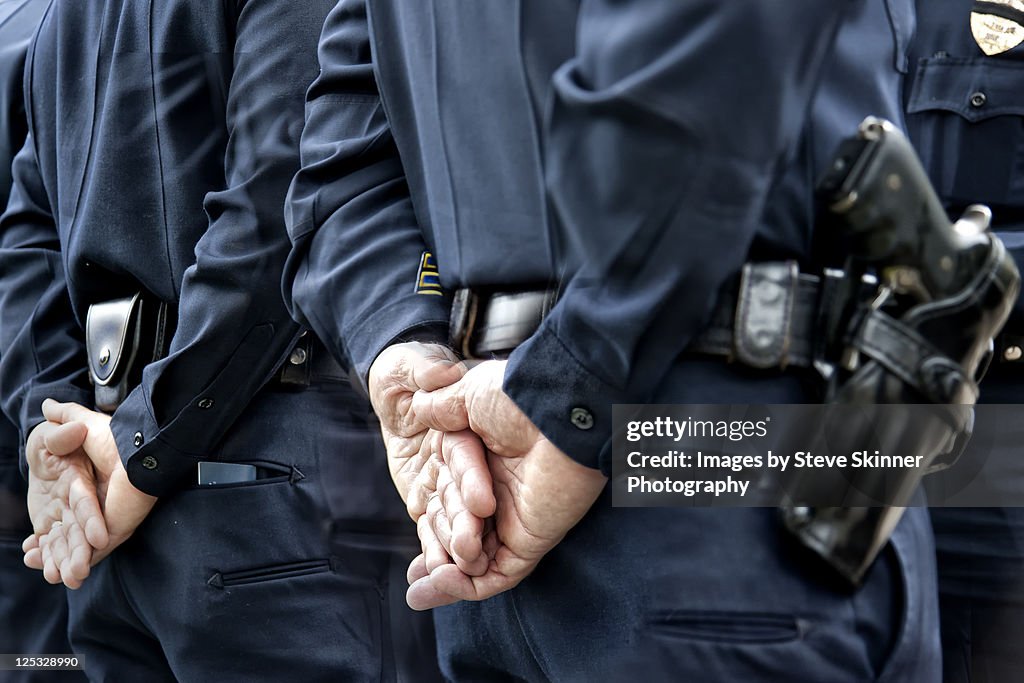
column 933, row 355
column 925, row 338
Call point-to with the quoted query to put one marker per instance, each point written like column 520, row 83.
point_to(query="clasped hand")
column 490, row 495
column 80, row 501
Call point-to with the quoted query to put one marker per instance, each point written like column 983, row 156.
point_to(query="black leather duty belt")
column 768, row 320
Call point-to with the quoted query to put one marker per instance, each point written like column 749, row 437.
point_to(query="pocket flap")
column 975, row 88
column 111, row 331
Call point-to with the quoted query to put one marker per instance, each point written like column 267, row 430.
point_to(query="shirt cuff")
column 153, row 466
column 403, row 320
column 568, row 403
column 158, row 456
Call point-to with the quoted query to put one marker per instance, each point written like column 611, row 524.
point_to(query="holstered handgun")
column 925, row 336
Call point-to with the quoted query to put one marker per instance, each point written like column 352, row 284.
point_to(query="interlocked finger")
column 33, row 554
column 434, row 553
column 85, row 508
column 465, row 456
column 464, row 540
column 75, row 567
column 424, row 485
column 50, row 571
column 437, row 521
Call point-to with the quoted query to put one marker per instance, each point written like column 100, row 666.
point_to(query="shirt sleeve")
column 358, row 249
column 43, row 350
column 665, row 133
column 233, row 328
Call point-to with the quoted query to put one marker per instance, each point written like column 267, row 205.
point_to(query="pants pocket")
column 288, row 570
column 745, row 628
column 267, row 473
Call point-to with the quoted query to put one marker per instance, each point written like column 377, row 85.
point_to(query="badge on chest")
column 998, row 25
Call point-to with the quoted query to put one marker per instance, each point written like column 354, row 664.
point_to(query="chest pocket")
column 966, row 116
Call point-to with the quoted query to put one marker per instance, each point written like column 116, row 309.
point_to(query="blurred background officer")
column 673, row 155
column 965, row 114
column 162, row 139
column 33, row 615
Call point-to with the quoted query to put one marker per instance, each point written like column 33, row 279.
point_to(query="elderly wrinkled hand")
column 540, row 493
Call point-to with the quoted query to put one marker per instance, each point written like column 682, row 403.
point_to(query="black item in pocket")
column 122, row 336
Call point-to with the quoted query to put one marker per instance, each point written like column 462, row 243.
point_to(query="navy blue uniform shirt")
column 162, row 137
column 964, row 115
column 668, row 124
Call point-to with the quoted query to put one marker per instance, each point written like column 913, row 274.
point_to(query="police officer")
column 964, row 108
column 33, row 616
column 161, row 142
column 673, row 154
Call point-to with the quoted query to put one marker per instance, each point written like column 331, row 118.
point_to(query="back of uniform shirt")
column 468, row 134
column 128, row 106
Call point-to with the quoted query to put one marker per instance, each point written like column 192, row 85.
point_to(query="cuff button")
column 581, row 418
column 149, row 462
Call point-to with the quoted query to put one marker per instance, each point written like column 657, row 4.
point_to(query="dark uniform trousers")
column 241, row 582
column 703, row 595
column 964, row 114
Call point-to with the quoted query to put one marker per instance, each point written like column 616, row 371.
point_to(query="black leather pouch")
column 122, row 336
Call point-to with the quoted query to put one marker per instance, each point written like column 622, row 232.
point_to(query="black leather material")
column 770, row 321
column 914, row 360
column 764, row 314
column 112, row 338
column 309, row 363
column 926, row 339
column 122, row 336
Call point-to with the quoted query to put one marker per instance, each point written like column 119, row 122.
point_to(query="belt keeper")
column 465, row 305
column 764, row 314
